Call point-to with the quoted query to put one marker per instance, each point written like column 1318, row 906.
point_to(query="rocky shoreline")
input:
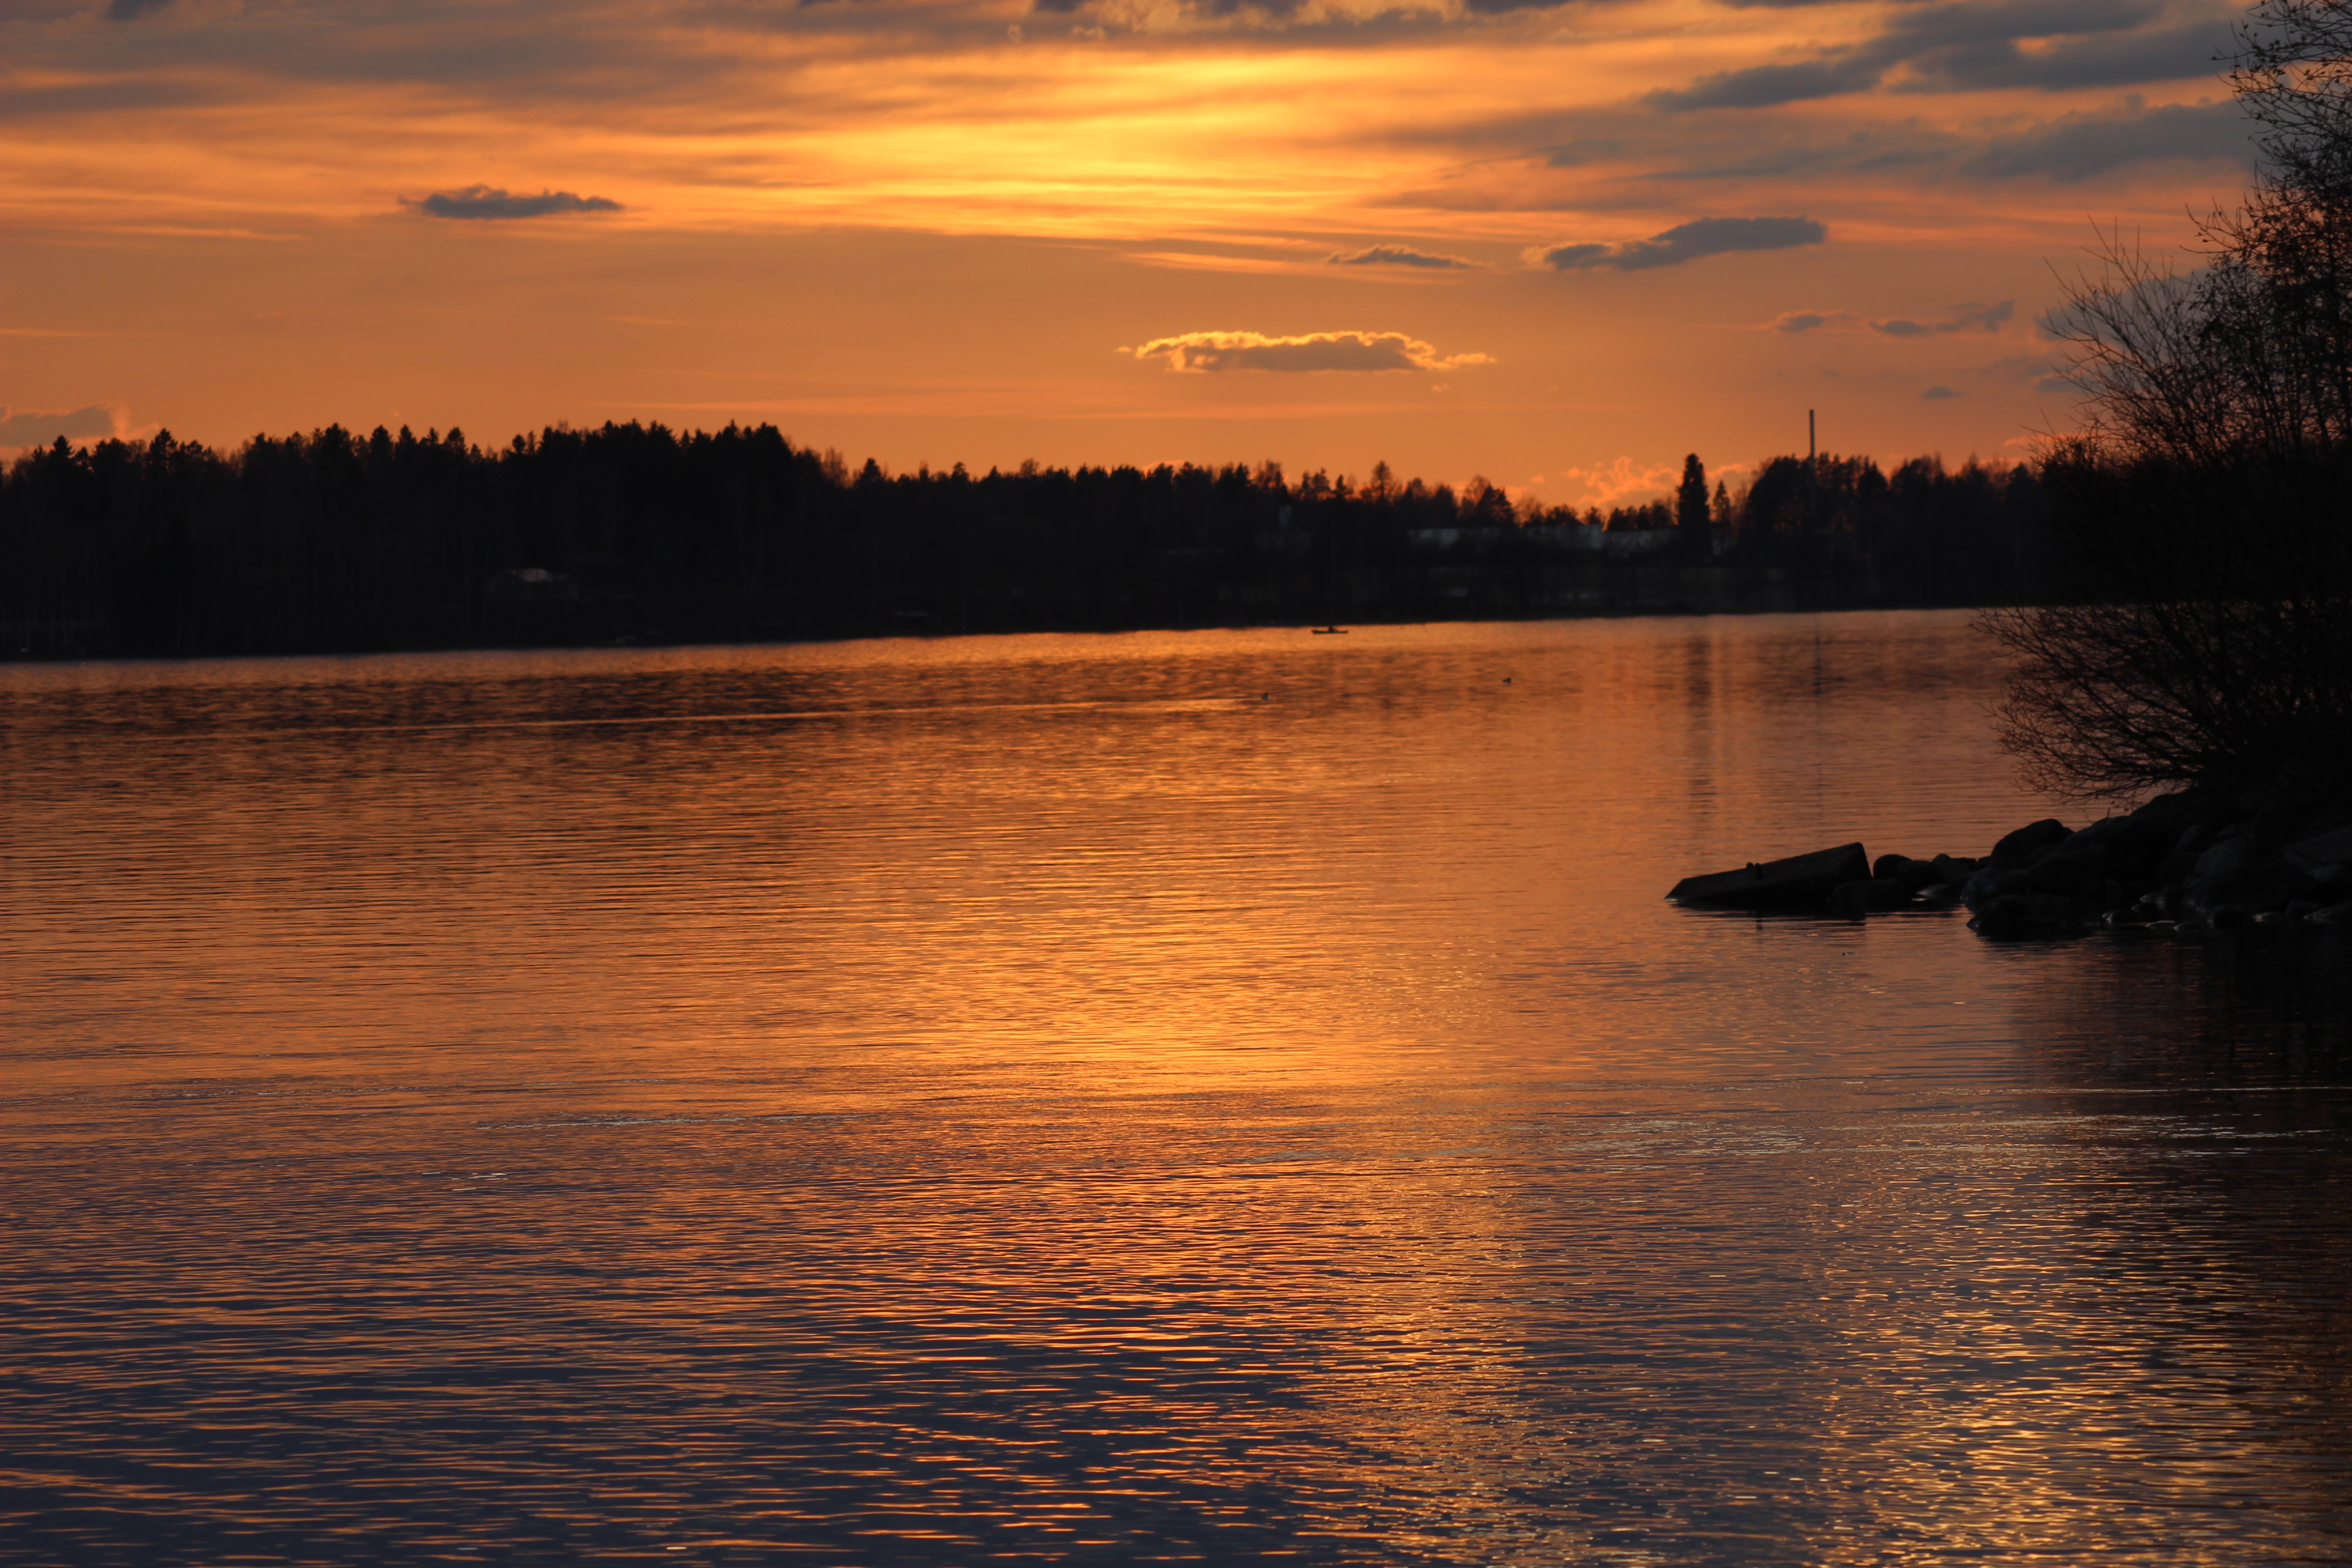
column 2202, row 859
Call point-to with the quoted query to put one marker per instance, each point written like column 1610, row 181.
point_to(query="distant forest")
column 335, row 541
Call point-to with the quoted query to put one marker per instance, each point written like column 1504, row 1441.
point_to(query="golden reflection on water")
column 1226, row 1094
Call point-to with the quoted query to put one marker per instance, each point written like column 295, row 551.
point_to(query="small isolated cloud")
column 1937, row 394
column 1200, row 351
column 1398, row 256
column 486, row 202
column 1963, row 318
column 1683, row 242
column 1807, row 320
column 39, row 426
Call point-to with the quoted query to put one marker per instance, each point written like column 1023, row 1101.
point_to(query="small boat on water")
column 1333, row 631
column 1778, row 884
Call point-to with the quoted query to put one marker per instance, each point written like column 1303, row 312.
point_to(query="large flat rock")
column 1778, row 884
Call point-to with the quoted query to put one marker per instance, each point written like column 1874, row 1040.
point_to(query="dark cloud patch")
column 1576, row 154
column 1283, row 10
column 1937, row 394
column 1684, row 242
column 1400, row 255
column 2078, row 146
column 2000, row 21
column 1228, row 8
column 38, row 426
column 1807, row 320
column 1760, row 87
column 485, row 202
column 2161, row 54
column 2071, row 147
column 131, row 10
column 1867, row 149
column 1974, row 44
column 1963, row 318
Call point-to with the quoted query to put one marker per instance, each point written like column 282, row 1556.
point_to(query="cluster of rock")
column 2198, row 860
column 2193, row 862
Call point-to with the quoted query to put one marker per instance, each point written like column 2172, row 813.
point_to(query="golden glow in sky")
column 1558, row 246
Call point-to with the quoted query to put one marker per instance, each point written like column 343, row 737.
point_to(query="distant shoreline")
column 334, row 542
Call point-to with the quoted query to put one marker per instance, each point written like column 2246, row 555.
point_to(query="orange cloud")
column 1604, row 485
column 1204, row 351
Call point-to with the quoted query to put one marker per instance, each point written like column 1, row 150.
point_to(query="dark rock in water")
column 2321, row 850
column 2095, row 865
column 1939, row 895
column 1986, row 884
column 1852, row 900
column 2032, row 836
column 2173, row 812
column 2130, row 847
column 2333, row 915
column 2225, row 860
column 1953, row 870
column 1794, row 882
column 2245, row 874
column 1913, row 874
column 2274, row 918
column 2070, row 876
column 2228, row 917
column 2015, row 915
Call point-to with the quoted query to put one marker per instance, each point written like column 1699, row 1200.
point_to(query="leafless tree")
column 2201, row 630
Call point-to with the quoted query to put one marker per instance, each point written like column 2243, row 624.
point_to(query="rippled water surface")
column 1226, row 1097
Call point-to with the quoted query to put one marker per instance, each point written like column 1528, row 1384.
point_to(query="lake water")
column 1223, row 1096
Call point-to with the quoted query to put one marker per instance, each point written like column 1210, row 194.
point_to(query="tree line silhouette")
column 336, row 542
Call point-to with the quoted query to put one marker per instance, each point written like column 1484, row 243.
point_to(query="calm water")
column 1222, row 1097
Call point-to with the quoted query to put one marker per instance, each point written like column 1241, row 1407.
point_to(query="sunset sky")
column 1555, row 245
